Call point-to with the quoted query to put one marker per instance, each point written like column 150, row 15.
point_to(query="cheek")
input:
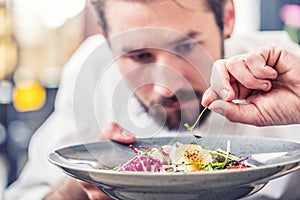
column 201, row 76
column 130, row 73
column 198, row 82
column 215, row 48
column 124, row 66
column 198, row 75
column 144, row 94
column 133, row 78
column 215, row 51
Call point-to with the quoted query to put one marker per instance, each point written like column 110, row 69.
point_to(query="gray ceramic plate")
column 273, row 158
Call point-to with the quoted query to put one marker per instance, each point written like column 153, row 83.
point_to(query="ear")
column 229, row 18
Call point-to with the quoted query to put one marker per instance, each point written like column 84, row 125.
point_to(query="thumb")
column 234, row 112
column 115, row 132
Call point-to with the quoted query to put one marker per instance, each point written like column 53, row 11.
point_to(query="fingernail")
column 219, row 111
column 273, row 76
column 264, row 86
column 126, row 134
column 223, row 93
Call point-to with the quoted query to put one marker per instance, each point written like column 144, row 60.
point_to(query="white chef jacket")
column 39, row 176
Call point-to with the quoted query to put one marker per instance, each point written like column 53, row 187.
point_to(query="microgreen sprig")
column 191, row 128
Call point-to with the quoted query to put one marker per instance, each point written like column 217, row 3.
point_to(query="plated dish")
column 180, row 158
column 90, row 163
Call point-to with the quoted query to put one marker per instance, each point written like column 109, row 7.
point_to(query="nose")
column 163, row 90
column 168, row 74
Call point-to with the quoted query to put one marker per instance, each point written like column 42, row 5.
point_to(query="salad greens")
column 182, row 158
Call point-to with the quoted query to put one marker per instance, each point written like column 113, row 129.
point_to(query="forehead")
column 179, row 15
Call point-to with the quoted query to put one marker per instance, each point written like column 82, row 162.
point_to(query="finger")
column 209, row 96
column 220, row 81
column 114, row 132
column 93, row 192
column 257, row 65
column 240, row 71
column 242, row 113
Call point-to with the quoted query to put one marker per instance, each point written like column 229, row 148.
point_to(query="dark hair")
column 216, row 6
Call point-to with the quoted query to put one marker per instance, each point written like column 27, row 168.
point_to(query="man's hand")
column 74, row 189
column 268, row 79
column 93, row 192
column 114, row 132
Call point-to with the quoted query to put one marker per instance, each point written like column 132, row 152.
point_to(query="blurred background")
column 37, row 37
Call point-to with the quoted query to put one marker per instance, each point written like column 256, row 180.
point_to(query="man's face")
column 174, row 69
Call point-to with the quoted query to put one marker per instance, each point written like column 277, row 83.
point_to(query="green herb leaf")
column 191, row 128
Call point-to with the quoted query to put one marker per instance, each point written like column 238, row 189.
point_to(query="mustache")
column 179, row 96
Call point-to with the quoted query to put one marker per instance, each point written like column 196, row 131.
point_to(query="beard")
column 175, row 120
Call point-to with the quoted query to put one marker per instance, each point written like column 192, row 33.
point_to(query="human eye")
column 141, row 57
column 185, row 48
